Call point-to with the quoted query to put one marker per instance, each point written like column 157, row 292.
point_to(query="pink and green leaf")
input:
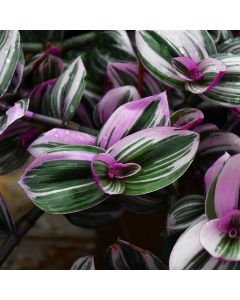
column 134, row 116
column 187, row 118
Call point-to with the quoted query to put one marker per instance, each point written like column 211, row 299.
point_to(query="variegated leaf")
column 84, row 263
column 220, row 237
column 158, row 48
column 186, row 118
column 215, row 143
column 120, row 74
column 60, row 181
column 18, row 74
column 57, row 137
column 14, row 113
column 230, row 46
column 227, row 91
column 163, row 153
column 188, row 253
column 222, row 183
column 125, row 256
column 184, row 212
column 112, row 100
column 9, row 54
column 97, row 216
column 134, row 116
column 110, row 45
column 68, row 91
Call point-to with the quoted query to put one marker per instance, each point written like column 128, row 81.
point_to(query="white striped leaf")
column 230, row 46
column 125, row 256
column 57, row 137
column 158, row 48
column 111, row 45
column 186, row 118
column 220, row 35
column 134, row 116
column 184, row 212
column 84, row 263
column 60, row 181
column 14, row 113
column 163, row 153
column 112, row 100
column 18, row 74
column 97, row 216
column 188, row 253
column 227, row 91
column 9, row 54
column 120, row 74
column 213, row 144
column 67, row 92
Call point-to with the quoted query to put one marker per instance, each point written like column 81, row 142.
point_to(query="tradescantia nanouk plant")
column 109, row 124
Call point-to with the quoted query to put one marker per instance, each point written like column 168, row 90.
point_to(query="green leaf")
column 125, row 256
column 184, row 212
column 9, row 54
column 67, row 92
column 61, row 181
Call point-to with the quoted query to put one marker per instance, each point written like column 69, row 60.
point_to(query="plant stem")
column 32, row 47
column 78, row 41
column 23, row 226
column 54, row 122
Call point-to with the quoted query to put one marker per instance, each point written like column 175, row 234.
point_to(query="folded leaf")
column 212, row 70
column 158, row 48
column 57, row 137
column 14, row 113
column 222, row 240
column 67, row 92
column 163, row 153
column 84, row 263
column 110, row 175
column 186, row 118
column 120, row 74
column 125, row 256
column 188, row 253
column 134, row 116
column 61, row 181
column 184, row 212
column 112, row 100
column 9, row 54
